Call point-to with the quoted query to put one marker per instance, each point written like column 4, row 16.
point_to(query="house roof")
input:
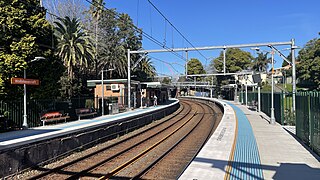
column 93, row 83
column 154, row 84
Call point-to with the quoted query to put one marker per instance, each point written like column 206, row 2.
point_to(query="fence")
column 12, row 110
column 282, row 105
column 307, row 119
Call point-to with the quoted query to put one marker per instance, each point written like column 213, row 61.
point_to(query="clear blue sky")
column 209, row 23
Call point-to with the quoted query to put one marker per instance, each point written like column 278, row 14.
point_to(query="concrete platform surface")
column 16, row 138
column 212, row 161
column 282, row 155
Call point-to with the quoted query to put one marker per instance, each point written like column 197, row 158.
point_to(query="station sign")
column 32, row 82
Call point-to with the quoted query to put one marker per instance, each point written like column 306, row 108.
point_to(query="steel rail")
column 59, row 168
column 142, row 154
column 79, row 174
column 151, row 165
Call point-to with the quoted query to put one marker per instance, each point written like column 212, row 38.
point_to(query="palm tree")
column 260, row 63
column 147, row 67
column 97, row 9
column 96, row 13
column 145, row 70
column 74, row 44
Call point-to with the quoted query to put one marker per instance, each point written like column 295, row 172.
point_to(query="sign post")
column 25, row 82
column 32, row 82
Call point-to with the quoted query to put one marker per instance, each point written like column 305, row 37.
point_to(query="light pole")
column 102, row 90
column 129, row 80
column 246, row 90
column 272, row 119
column 25, row 121
column 224, row 59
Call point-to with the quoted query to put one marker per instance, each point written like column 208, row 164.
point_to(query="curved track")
column 157, row 152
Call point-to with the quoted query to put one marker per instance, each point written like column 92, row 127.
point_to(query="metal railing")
column 307, row 119
column 12, row 110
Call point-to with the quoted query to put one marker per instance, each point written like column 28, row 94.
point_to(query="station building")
column 115, row 94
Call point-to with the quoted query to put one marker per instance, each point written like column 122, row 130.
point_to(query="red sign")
column 33, row 82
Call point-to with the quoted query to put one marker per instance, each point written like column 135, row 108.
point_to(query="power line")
column 164, row 62
column 141, row 31
column 176, row 29
column 135, row 28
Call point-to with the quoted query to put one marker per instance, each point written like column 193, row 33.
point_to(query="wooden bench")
column 82, row 112
column 53, row 116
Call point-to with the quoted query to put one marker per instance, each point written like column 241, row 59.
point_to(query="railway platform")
column 18, row 138
column 246, row 146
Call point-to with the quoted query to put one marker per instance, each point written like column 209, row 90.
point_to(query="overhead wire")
column 164, row 62
column 142, row 32
column 176, row 29
column 145, row 34
column 135, row 28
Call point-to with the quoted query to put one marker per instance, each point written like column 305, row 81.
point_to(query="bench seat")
column 83, row 112
column 53, row 116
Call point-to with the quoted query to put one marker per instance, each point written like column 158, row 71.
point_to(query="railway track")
column 147, row 153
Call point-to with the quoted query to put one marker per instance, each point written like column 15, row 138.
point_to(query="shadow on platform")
column 283, row 171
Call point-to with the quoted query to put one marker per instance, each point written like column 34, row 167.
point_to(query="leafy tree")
column 194, row 66
column 63, row 8
column 111, row 53
column 289, row 57
column 74, row 47
column 260, row 63
column 236, row 60
column 97, row 10
column 166, row 80
column 288, row 72
column 25, row 34
column 130, row 38
column 309, row 64
column 117, row 34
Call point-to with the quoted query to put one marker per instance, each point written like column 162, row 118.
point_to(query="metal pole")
column 259, row 100
column 25, row 122
column 224, row 59
column 102, row 93
column 272, row 119
column 129, row 80
column 186, row 68
column 211, row 87
column 141, row 106
column 135, row 100
column 242, row 94
column 246, row 94
column 235, row 93
column 293, row 77
column 195, row 84
column 213, row 47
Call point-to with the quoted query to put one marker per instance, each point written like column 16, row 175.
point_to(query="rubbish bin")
column 110, row 108
column 115, row 108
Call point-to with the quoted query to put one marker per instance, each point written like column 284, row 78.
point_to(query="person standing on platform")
column 155, row 103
